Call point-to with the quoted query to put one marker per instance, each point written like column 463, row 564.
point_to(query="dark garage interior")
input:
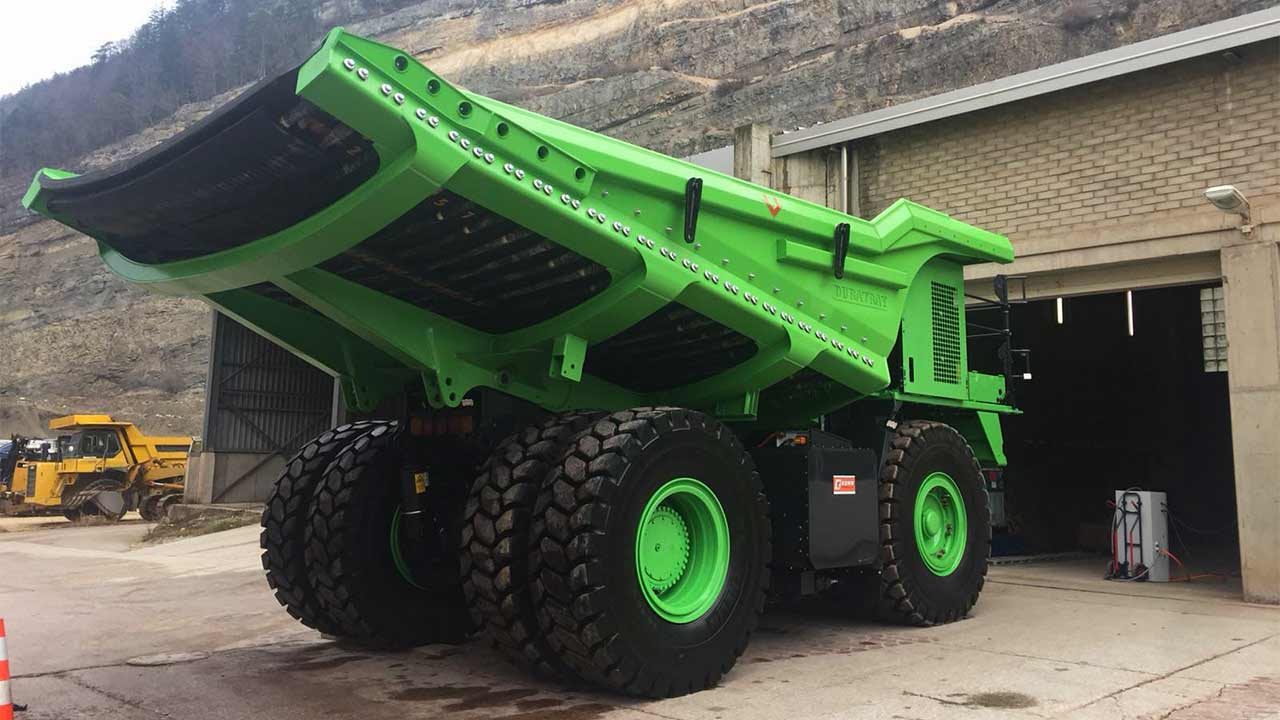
column 1106, row 410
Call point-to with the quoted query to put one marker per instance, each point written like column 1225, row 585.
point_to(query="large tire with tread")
column 79, row 504
column 909, row 590
column 592, row 592
column 284, row 522
column 498, row 559
column 148, row 509
column 165, row 508
column 349, row 555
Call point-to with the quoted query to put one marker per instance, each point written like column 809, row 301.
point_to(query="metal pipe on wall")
column 844, row 178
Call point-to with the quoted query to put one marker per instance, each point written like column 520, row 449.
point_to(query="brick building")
column 1097, row 169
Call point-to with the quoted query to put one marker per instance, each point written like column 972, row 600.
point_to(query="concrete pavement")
column 1049, row 640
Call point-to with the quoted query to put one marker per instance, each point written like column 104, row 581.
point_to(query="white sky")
column 49, row 36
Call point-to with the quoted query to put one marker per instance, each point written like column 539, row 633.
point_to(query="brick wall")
column 1104, row 153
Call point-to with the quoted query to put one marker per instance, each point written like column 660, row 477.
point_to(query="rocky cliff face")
column 674, row 75
column 680, row 75
column 76, row 338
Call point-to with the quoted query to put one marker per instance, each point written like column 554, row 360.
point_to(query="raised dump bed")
column 475, row 262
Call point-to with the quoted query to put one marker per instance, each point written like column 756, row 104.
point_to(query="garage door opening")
column 1119, row 399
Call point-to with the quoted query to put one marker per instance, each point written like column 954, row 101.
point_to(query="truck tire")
column 284, row 521
column 148, row 508
column 655, row 542
column 497, row 562
column 935, row 526
column 355, row 562
column 165, row 508
column 78, row 504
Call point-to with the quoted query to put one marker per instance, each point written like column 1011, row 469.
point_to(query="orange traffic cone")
column 6, row 698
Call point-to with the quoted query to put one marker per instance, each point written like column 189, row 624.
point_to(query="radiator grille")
column 946, row 333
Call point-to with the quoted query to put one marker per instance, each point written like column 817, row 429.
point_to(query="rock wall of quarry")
column 674, row 75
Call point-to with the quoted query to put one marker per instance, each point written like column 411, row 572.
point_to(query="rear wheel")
column 655, row 542
column 498, row 560
column 284, row 521
column 149, row 508
column 935, row 529
column 378, row 591
column 165, row 508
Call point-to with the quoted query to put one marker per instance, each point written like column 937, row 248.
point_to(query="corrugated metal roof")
column 1203, row 40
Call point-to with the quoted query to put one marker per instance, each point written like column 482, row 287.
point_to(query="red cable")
column 1186, row 574
column 767, row 438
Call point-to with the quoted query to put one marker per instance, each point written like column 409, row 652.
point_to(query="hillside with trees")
column 673, row 75
column 191, row 51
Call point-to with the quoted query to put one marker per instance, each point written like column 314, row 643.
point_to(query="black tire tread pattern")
column 148, row 508
column 283, row 525
column 572, row 510
column 497, row 556
column 342, row 580
column 896, row 601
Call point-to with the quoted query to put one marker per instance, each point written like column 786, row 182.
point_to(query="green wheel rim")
column 682, row 550
column 942, row 528
column 397, row 556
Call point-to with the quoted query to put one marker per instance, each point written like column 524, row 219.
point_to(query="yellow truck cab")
column 101, row 466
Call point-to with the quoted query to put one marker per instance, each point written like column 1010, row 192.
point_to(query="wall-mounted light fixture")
column 1128, row 301
column 1230, row 200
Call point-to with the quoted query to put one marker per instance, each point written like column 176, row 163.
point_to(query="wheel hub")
column 397, row 553
column 682, row 550
column 941, row 527
column 932, row 521
column 664, row 548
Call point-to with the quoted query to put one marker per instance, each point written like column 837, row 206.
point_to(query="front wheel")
column 935, row 526
column 655, row 541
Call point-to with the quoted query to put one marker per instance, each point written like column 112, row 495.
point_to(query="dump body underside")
column 393, row 229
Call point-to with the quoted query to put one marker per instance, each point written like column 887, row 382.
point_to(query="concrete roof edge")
column 1163, row 50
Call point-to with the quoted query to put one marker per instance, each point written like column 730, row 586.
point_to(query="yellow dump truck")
column 100, row 467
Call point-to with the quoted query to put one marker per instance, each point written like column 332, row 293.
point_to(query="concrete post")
column 1251, row 280
column 753, row 154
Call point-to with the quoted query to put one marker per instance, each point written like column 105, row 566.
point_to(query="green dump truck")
column 726, row 395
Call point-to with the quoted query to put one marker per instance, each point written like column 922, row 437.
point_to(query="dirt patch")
column 326, row 664
column 538, row 704
column 493, row 698
column 1001, row 700
column 466, row 698
column 446, row 692
column 778, row 643
column 196, row 525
